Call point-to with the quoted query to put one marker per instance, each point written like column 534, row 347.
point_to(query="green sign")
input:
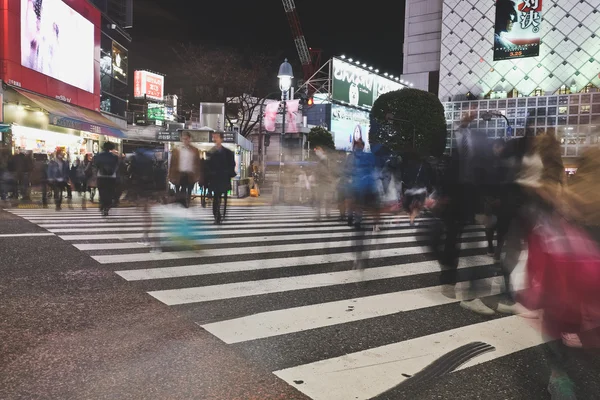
column 357, row 86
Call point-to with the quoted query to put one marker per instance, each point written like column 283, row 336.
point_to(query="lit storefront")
column 42, row 126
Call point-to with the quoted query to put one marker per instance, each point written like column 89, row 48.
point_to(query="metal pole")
column 281, row 137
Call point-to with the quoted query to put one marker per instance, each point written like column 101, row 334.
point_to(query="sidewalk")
column 36, row 202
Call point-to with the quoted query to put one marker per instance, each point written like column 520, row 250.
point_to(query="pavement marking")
column 276, row 285
column 365, row 374
column 140, row 222
column 175, row 255
column 272, row 263
column 261, row 240
column 398, row 228
column 138, row 219
column 158, row 227
column 11, row 235
column 300, row 319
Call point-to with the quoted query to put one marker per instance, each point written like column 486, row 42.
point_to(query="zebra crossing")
column 281, row 287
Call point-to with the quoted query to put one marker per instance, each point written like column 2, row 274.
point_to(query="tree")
column 219, row 74
column 320, row 137
column 419, row 117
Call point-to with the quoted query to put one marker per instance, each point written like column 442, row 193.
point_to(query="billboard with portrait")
column 517, row 29
column 58, row 42
column 148, row 85
column 357, row 86
column 347, row 125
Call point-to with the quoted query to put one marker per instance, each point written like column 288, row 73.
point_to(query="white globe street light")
column 285, row 76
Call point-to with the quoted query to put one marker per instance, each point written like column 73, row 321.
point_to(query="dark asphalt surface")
column 72, row 329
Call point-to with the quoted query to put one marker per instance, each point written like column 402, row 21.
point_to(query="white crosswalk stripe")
column 269, row 274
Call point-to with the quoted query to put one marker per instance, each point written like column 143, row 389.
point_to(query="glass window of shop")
column 40, row 141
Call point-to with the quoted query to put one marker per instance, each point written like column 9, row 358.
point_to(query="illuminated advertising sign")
column 347, row 125
column 160, row 112
column 517, row 29
column 148, row 85
column 55, row 51
column 357, row 86
column 58, row 42
column 119, row 62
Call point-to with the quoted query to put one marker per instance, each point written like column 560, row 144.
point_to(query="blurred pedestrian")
column 107, row 165
column 58, row 177
column 184, row 171
column 220, row 166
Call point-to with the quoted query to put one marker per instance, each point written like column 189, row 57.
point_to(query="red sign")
column 45, row 58
column 148, row 85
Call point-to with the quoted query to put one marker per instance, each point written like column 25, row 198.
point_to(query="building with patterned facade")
column 554, row 91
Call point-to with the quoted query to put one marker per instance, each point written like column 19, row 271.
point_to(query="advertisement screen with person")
column 517, row 29
column 349, row 125
column 58, row 42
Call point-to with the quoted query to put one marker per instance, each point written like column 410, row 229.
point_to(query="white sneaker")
column 517, row 309
column 477, row 306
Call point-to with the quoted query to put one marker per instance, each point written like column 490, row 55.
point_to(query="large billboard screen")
column 517, row 29
column 148, row 85
column 347, row 125
column 358, row 86
column 55, row 51
column 58, row 42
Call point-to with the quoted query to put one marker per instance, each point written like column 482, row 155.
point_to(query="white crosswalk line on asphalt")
column 340, row 227
column 365, row 374
column 178, row 255
column 362, row 374
column 271, row 263
column 277, row 285
column 298, row 319
column 261, row 240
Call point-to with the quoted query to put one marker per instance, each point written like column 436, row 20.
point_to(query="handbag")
column 254, row 193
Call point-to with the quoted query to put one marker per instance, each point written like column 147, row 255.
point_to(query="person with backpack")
column 107, row 165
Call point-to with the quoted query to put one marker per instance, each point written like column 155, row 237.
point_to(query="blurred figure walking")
column 107, row 165
column 58, row 177
column 184, row 171
column 220, row 170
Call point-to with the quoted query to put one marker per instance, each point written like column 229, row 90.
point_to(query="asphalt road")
column 267, row 306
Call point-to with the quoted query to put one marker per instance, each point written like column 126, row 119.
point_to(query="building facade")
column 422, row 43
column 554, row 90
column 117, row 15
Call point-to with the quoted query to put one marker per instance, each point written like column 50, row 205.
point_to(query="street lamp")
column 487, row 116
column 285, row 76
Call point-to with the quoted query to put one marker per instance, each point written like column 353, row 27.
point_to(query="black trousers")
column 217, row 205
column 185, row 188
column 58, row 188
column 106, row 191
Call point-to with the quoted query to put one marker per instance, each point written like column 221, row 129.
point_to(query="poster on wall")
column 357, row 86
column 348, row 125
column 58, row 42
column 517, row 29
column 119, row 62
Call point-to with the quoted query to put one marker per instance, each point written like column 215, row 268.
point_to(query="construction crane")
column 309, row 57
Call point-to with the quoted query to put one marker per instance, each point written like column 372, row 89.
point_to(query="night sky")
column 371, row 32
